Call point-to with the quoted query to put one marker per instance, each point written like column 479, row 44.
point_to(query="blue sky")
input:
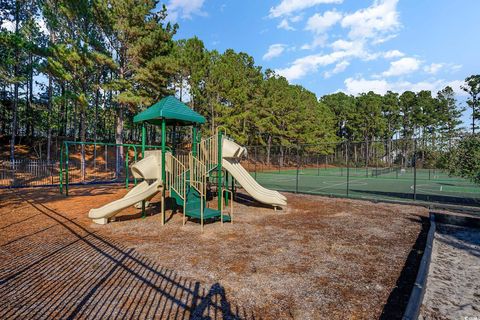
column 344, row 45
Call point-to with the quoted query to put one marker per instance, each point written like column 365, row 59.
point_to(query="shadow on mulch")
column 120, row 271
column 398, row 298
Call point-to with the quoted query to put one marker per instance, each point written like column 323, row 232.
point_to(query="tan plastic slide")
column 148, row 169
column 231, row 154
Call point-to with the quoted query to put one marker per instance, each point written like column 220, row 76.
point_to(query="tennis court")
column 428, row 185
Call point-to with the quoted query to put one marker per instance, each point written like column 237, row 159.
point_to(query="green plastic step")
column 208, row 213
column 193, row 205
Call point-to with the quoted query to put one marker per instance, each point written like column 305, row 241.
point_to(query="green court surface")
column 376, row 184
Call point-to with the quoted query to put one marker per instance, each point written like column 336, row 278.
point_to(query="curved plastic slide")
column 251, row 186
column 146, row 168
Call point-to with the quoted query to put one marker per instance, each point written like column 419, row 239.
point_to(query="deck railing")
column 208, row 152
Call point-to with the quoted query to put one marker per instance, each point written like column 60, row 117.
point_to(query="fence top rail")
column 113, row 144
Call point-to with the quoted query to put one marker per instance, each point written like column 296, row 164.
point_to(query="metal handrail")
column 198, row 180
column 208, row 151
column 177, row 179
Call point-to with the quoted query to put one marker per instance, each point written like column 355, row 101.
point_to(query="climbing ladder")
column 187, row 182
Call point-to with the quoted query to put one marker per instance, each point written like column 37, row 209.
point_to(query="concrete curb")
column 412, row 310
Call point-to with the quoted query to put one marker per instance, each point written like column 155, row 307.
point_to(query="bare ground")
column 319, row 258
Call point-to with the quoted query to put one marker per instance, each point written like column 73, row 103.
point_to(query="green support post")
column 174, row 140
column 126, row 169
column 164, row 137
column 144, row 138
column 66, row 169
column 219, row 170
column 226, row 186
column 164, row 175
column 194, row 141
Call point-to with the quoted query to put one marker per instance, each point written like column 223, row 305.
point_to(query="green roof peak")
column 173, row 110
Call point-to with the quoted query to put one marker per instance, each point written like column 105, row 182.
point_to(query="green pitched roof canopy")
column 173, row 110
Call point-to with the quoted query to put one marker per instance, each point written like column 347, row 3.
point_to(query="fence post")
column 298, row 167
column 106, row 158
column 60, row 178
column 415, row 169
column 66, row 163
column 318, row 165
column 14, row 172
column 255, row 162
column 82, row 165
column 51, row 164
column 348, row 170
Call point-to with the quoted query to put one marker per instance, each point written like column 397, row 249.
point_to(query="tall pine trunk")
column 49, row 112
column 15, row 89
column 119, row 140
column 269, row 146
column 83, row 134
column 95, row 125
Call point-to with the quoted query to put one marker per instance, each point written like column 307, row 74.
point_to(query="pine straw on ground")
column 318, row 258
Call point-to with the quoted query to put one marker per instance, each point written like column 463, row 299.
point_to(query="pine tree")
column 472, row 87
column 449, row 113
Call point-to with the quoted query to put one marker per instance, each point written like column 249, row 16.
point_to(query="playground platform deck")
column 321, row 257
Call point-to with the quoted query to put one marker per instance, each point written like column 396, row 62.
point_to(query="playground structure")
column 182, row 177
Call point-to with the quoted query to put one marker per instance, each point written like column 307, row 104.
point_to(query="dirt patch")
column 319, row 258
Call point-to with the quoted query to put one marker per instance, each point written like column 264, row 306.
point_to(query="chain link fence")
column 397, row 170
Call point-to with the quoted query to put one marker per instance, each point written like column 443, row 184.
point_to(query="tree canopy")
column 80, row 70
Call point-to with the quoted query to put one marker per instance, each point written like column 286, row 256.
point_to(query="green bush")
column 464, row 160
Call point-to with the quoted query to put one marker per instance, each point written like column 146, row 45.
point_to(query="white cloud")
column 274, row 50
column 456, row 67
column 297, row 18
column 376, row 21
column 287, row 7
column 402, row 66
column 381, row 86
column 393, row 54
column 433, row 68
column 346, row 45
column 356, row 86
column 384, row 39
column 318, row 41
column 319, row 23
column 302, row 66
column 184, row 9
column 285, row 25
column 339, row 67
column 343, row 50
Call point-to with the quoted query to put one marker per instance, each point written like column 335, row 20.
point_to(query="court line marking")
column 444, row 193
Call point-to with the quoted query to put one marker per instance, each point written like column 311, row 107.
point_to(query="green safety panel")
column 193, row 206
